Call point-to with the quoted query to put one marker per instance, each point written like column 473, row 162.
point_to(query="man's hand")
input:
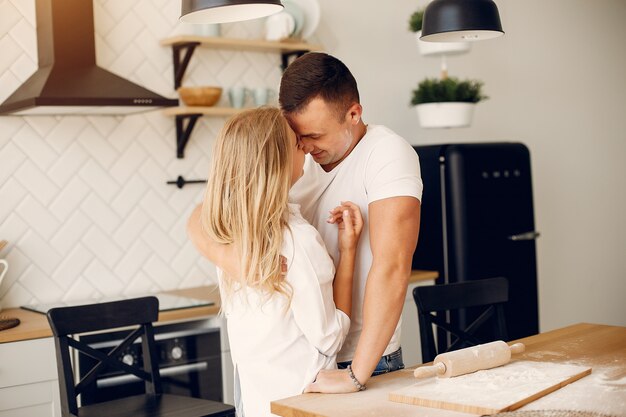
column 332, row 381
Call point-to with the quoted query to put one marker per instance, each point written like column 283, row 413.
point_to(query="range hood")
column 68, row 81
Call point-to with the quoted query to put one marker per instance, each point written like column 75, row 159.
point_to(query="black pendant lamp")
column 224, row 11
column 461, row 21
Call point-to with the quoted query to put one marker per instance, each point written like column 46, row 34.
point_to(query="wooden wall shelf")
column 205, row 111
column 252, row 45
column 183, row 47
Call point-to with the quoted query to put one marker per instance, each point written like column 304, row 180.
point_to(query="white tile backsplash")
column 12, row 193
column 134, row 259
column 69, row 199
column 36, row 181
column 66, row 132
column 83, row 199
column 47, row 258
column 26, row 9
column 99, row 212
column 68, row 164
column 35, row 147
column 9, row 15
column 11, row 157
column 73, row 229
column 98, row 242
column 130, row 230
column 73, row 265
column 38, row 217
column 10, row 50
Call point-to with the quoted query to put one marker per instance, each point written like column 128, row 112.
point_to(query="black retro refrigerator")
column 477, row 222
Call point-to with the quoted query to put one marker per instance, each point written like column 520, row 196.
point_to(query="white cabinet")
column 28, row 379
column 410, row 337
column 228, row 370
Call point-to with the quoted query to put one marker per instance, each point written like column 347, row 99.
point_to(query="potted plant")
column 447, row 102
column 433, row 48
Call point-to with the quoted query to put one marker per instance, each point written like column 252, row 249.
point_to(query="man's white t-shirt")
column 278, row 348
column 382, row 165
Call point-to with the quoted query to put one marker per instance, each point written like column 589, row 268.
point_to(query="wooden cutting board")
column 491, row 391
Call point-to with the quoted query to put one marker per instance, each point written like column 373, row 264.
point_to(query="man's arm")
column 394, row 227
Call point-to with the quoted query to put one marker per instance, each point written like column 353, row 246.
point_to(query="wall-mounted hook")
column 180, row 182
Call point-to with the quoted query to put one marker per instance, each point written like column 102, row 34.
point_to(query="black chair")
column 433, row 301
column 139, row 313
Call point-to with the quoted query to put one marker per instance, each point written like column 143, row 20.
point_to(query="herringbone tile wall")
column 83, row 200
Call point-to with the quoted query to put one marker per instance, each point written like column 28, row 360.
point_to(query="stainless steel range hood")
column 68, row 81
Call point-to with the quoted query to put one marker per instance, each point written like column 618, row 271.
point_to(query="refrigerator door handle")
column 525, row 236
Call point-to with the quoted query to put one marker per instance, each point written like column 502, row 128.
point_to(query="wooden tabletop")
column 35, row 325
column 601, row 347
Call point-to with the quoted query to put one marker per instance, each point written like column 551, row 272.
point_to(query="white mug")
column 5, row 268
column 262, row 95
column 237, row 96
column 208, row 29
column 279, row 26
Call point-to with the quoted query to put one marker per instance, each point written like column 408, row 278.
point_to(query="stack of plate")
column 298, row 20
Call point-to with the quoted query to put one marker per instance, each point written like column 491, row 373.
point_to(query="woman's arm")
column 349, row 225
column 219, row 254
column 322, row 294
column 223, row 256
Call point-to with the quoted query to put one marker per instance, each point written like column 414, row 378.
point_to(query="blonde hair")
column 246, row 199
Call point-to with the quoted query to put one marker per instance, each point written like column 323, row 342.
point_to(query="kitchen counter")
column 35, row 325
column 603, row 348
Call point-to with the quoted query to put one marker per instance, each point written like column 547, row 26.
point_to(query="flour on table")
column 604, row 391
column 496, row 388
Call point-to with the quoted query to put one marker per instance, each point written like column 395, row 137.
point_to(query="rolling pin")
column 468, row 360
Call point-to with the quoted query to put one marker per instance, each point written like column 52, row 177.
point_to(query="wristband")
column 356, row 382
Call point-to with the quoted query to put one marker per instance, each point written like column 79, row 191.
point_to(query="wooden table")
column 601, row 347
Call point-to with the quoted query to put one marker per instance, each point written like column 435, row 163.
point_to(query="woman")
column 282, row 328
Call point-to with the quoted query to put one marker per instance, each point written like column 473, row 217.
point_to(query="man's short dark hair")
column 317, row 74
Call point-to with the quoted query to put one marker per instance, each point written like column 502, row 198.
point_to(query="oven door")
column 189, row 360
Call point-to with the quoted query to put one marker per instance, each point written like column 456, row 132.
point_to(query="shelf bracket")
column 180, row 65
column 287, row 55
column 183, row 132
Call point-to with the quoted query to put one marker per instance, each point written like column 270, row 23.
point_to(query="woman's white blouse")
column 278, row 350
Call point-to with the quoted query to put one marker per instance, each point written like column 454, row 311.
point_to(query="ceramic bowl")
column 200, row 96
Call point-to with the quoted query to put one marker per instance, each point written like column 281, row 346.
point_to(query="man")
column 378, row 170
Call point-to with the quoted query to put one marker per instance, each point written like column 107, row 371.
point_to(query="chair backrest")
column 433, row 301
column 67, row 322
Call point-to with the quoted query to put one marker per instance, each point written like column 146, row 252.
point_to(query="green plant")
column 415, row 21
column 433, row 90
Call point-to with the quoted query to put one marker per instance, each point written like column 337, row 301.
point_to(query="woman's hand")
column 332, row 381
column 349, row 220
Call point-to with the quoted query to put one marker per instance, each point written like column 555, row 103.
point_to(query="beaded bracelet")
column 356, row 382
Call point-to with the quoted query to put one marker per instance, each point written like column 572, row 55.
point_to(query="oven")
column 188, row 355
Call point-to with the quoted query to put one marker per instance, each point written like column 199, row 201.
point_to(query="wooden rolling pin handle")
column 517, row 348
column 428, row 371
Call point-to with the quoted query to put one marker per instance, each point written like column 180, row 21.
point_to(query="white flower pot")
column 441, row 48
column 452, row 114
